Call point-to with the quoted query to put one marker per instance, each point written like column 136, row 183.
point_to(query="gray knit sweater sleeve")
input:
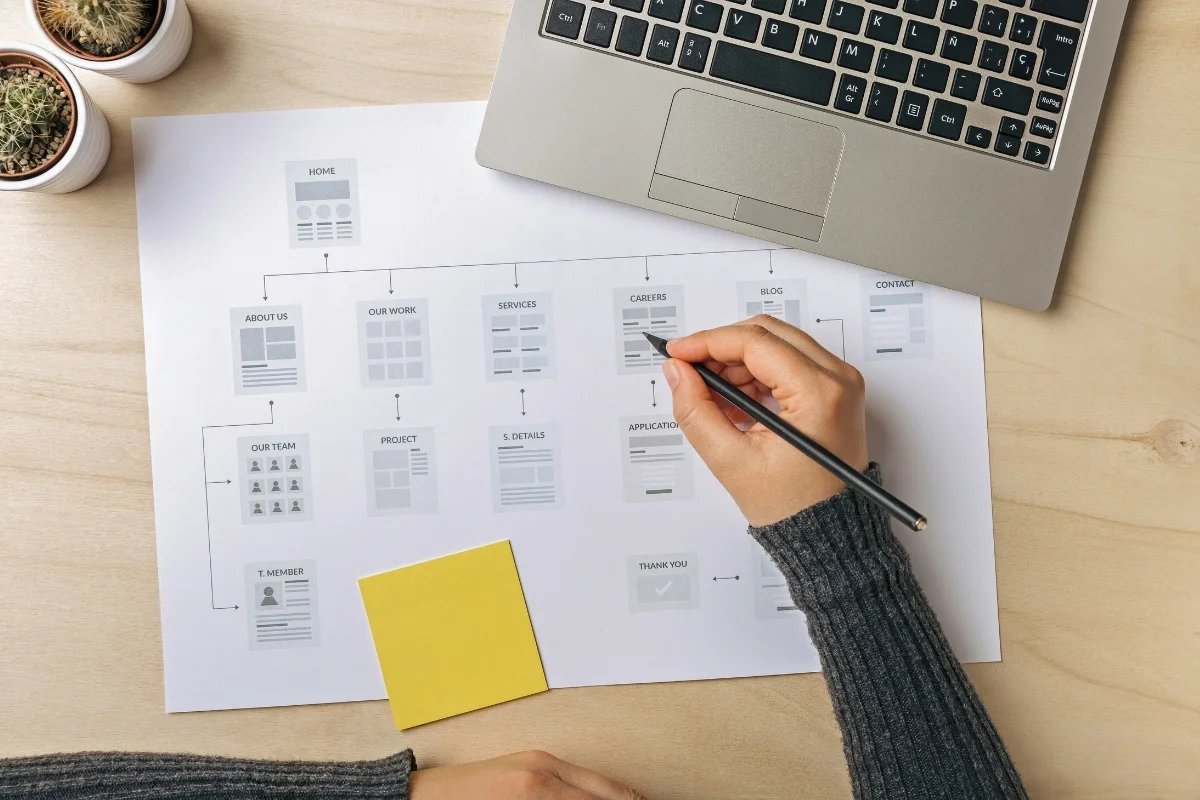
column 142, row 776
column 912, row 725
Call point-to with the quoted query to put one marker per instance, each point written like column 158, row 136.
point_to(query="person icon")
column 295, row 507
column 295, row 486
column 274, row 465
column 275, row 487
column 293, row 464
column 254, row 466
column 257, row 509
column 255, row 487
column 276, row 508
column 269, row 597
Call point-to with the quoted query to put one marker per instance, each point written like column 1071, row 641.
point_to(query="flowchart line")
column 212, row 591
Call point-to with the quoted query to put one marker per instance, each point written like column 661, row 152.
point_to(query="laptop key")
column 780, row 35
column 1045, row 128
column 913, row 107
column 1008, row 96
column 1074, row 10
column 772, row 73
column 705, row 15
column 565, row 19
column 1023, row 29
column 1037, row 153
column 742, row 25
column 966, row 84
column 856, row 55
column 631, row 36
column 922, row 8
column 959, row 47
column 947, row 119
column 921, row 37
column 1008, row 146
column 978, row 137
column 1022, row 64
column 994, row 20
column 663, row 42
column 888, row 3
column 1058, row 44
column 931, row 75
column 882, row 102
column 894, row 65
column 628, row 5
column 961, row 13
column 818, row 45
column 808, row 10
column 884, row 27
column 694, row 54
column 774, row 6
column 1048, row 101
column 600, row 26
column 846, row 17
column 1012, row 127
column 670, row 10
column 993, row 56
column 852, row 90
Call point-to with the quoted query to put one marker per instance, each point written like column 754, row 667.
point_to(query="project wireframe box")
column 323, row 206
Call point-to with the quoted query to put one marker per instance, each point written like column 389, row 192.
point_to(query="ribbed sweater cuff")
column 151, row 775
column 838, row 548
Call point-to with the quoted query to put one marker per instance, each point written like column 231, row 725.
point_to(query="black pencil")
column 848, row 474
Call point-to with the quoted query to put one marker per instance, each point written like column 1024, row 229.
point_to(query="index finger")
column 771, row 360
column 594, row 783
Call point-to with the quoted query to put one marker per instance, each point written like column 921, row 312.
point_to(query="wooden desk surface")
column 1095, row 432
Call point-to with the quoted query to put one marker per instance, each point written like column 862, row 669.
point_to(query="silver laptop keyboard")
column 990, row 76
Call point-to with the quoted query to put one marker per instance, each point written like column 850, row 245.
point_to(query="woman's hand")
column 521, row 776
column 817, row 392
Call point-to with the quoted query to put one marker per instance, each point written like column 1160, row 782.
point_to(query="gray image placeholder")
column 401, row 472
column 525, row 467
column 268, row 349
column 322, row 200
column 639, row 310
column 656, row 461
column 393, row 343
column 281, row 605
column 519, row 336
column 896, row 319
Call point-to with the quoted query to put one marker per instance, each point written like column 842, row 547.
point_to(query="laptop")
column 941, row 140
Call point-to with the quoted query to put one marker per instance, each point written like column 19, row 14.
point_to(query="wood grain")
column 1094, row 414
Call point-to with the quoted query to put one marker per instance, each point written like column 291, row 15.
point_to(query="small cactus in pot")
column 99, row 28
column 35, row 120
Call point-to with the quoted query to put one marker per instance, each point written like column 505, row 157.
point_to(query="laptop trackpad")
column 747, row 163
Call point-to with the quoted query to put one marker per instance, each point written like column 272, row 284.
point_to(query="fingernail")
column 671, row 372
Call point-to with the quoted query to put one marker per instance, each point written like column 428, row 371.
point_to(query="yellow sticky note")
column 453, row 635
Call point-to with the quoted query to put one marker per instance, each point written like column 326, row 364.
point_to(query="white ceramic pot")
column 157, row 58
column 88, row 149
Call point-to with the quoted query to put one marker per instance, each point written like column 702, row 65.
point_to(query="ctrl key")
column 565, row 19
column 947, row 119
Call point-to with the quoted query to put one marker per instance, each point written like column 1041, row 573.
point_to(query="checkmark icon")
column 663, row 590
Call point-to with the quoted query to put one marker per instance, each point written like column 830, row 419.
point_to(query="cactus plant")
column 35, row 116
column 102, row 27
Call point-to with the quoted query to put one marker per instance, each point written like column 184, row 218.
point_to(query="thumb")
column 705, row 425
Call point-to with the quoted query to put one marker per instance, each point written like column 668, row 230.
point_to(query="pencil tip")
column 658, row 343
column 921, row 523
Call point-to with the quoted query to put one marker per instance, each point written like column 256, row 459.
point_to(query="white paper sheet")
column 456, row 364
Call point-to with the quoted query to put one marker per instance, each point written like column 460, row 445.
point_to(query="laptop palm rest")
column 746, row 163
